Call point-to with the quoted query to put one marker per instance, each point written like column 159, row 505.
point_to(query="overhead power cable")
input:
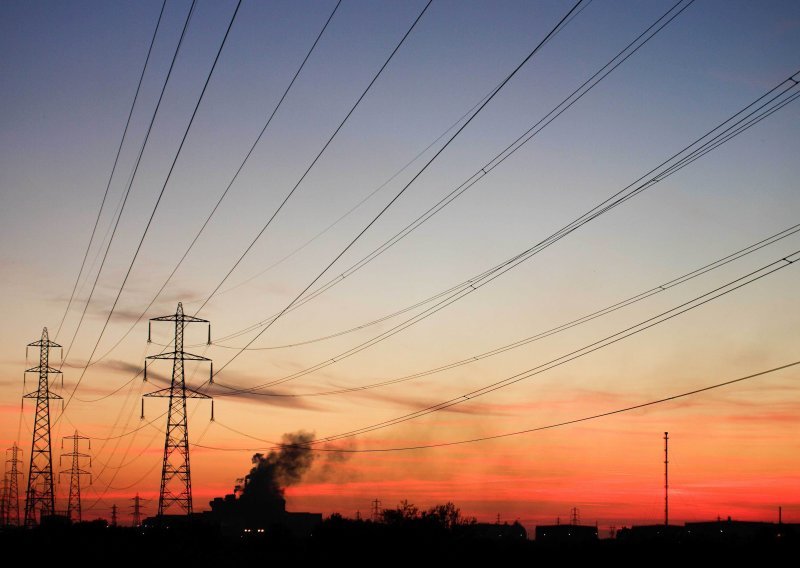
column 127, row 192
column 227, row 188
column 158, row 201
column 685, row 394
column 635, row 329
column 738, row 123
column 683, row 279
column 535, row 50
column 481, row 172
column 113, row 170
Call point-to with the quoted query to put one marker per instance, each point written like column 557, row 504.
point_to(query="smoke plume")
column 272, row 473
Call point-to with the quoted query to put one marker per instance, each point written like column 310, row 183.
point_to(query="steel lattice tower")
column 10, row 514
column 137, row 510
column 41, row 468
column 75, row 472
column 176, row 476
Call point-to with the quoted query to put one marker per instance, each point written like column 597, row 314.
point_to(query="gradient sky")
column 69, row 72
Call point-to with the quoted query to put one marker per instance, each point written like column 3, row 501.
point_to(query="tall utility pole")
column 176, row 476
column 113, row 515
column 10, row 514
column 137, row 510
column 41, row 468
column 376, row 510
column 666, row 479
column 75, row 472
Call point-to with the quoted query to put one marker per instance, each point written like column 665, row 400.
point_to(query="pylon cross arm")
column 164, row 393
column 182, row 317
column 40, row 368
column 51, row 395
column 184, row 355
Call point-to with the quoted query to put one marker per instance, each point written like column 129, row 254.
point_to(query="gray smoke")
column 272, row 473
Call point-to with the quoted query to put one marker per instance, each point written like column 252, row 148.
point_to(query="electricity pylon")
column 10, row 514
column 176, row 475
column 75, row 472
column 41, row 468
column 137, row 510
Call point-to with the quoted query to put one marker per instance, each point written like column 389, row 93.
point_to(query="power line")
column 687, row 277
column 675, row 163
column 113, row 169
column 318, row 156
column 413, row 179
column 508, row 434
column 132, row 176
column 380, row 187
column 158, row 201
column 230, row 184
column 460, row 129
column 635, row 329
column 500, row 157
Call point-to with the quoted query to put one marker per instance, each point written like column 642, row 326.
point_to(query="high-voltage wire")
column 158, row 201
column 500, row 157
column 508, row 78
column 374, row 191
column 113, row 169
column 552, row 426
column 662, row 317
column 637, row 328
column 228, row 187
column 687, row 277
column 675, row 163
column 131, row 178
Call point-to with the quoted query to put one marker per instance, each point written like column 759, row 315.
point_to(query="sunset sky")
column 69, row 72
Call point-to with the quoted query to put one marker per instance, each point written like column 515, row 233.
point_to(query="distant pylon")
column 41, row 468
column 176, row 475
column 575, row 518
column 376, row 510
column 75, row 472
column 10, row 514
column 137, row 510
column 113, row 515
column 666, row 479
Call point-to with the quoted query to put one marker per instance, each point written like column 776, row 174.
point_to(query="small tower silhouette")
column 137, row 510
column 10, row 513
column 666, row 479
column 75, row 472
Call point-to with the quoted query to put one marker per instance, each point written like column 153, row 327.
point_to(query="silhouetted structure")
column 721, row 531
column 666, row 479
column 651, row 533
column 10, row 512
column 40, row 495
column 137, row 510
column 566, row 534
column 494, row 531
column 239, row 515
column 75, row 472
column 176, row 475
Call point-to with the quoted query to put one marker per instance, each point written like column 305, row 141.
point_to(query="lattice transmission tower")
column 40, row 472
column 137, row 510
column 75, row 472
column 176, row 475
column 10, row 513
